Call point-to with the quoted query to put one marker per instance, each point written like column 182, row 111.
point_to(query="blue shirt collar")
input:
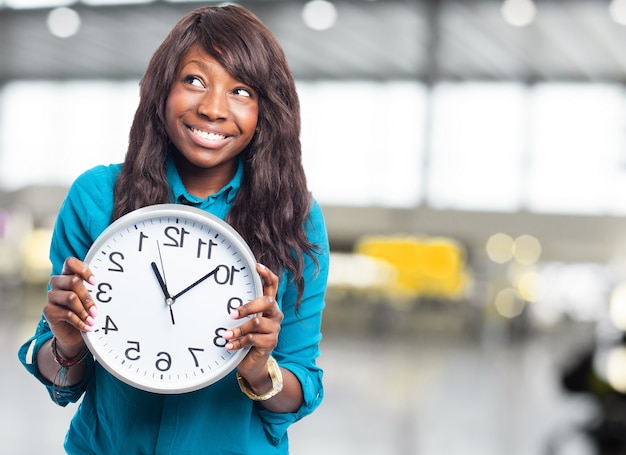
column 181, row 195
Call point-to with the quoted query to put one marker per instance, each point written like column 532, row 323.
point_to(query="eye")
column 241, row 91
column 193, row 80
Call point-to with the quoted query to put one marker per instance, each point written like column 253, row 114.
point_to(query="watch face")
column 167, row 278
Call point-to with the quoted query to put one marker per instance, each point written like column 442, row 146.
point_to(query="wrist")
column 67, row 352
column 274, row 383
column 261, row 383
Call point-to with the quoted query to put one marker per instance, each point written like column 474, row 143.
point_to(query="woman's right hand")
column 70, row 308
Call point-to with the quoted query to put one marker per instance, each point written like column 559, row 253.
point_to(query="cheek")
column 170, row 114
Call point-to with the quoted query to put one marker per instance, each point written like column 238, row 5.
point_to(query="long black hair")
column 272, row 205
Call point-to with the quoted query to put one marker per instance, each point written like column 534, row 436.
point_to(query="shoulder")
column 100, row 177
column 95, row 186
column 85, row 212
column 316, row 224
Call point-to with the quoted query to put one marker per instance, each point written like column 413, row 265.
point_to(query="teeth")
column 209, row 136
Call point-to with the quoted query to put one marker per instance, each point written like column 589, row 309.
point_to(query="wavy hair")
column 272, row 205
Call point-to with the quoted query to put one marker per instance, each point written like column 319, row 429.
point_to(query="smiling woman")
column 214, row 119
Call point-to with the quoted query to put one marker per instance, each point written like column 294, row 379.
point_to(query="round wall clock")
column 167, row 278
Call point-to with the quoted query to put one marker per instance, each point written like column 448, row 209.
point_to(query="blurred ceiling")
column 408, row 39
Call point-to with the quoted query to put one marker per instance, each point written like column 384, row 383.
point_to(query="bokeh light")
column 526, row 249
column 500, row 248
column 616, row 368
column 519, row 13
column 319, row 14
column 508, row 304
column 617, row 307
column 63, row 22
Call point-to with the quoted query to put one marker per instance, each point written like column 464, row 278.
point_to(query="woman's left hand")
column 260, row 333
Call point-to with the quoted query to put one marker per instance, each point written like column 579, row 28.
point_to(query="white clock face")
column 168, row 277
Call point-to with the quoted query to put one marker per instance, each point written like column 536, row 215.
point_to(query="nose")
column 213, row 105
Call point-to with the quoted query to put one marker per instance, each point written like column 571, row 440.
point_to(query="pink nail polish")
column 234, row 314
column 229, row 346
column 90, row 321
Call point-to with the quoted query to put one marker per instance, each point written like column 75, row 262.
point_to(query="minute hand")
column 193, row 285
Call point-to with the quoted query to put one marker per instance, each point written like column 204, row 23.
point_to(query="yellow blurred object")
column 35, row 263
column 430, row 267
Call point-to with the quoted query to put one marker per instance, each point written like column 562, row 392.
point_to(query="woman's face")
column 210, row 116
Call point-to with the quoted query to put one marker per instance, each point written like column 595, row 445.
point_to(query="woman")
column 217, row 127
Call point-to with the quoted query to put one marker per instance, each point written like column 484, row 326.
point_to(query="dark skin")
column 211, row 117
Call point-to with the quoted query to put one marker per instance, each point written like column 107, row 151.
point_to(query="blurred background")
column 470, row 157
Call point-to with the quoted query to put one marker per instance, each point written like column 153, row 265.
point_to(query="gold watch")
column 277, row 382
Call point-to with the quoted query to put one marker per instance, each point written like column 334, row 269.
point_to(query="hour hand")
column 161, row 281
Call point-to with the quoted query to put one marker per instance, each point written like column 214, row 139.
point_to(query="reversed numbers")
column 209, row 248
column 176, row 236
column 116, row 257
column 101, row 294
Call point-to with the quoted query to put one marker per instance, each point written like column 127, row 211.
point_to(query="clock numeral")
column 101, row 295
column 219, row 340
column 134, row 348
column 210, row 244
column 164, row 362
column 193, row 354
column 141, row 237
column 233, row 304
column 118, row 267
column 109, row 325
column 177, row 236
column 227, row 276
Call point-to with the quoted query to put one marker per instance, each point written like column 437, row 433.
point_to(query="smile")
column 208, row 136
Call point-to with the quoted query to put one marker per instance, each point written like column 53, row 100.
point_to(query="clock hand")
column 161, row 281
column 193, row 285
column 168, row 298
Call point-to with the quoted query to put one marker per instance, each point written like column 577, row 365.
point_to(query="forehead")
column 198, row 56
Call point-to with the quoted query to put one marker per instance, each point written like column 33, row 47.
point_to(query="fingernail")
column 93, row 311
column 228, row 335
column 234, row 314
column 262, row 266
column 90, row 321
column 88, row 328
column 229, row 346
column 92, row 280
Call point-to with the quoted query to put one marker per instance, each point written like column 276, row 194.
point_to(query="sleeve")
column 85, row 212
column 300, row 335
column 28, row 355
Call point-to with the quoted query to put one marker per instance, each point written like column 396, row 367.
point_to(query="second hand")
column 169, row 300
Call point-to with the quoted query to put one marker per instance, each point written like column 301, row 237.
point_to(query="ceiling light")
column 319, row 14
column 518, row 12
column 617, row 10
column 63, row 22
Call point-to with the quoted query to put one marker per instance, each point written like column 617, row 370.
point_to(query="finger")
column 265, row 306
column 262, row 333
column 269, row 278
column 74, row 266
column 70, row 291
column 65, row 307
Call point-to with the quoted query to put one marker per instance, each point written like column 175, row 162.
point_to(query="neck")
column 204, row 182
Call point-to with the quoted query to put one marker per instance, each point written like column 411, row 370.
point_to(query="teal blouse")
column 114, row 418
